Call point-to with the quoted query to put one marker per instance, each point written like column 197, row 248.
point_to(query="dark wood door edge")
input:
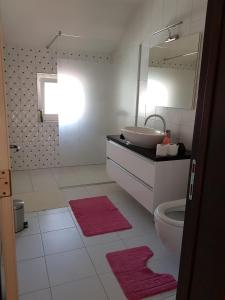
column 208, row 77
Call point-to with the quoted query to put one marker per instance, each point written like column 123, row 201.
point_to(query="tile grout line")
column 24, row 260
column 71, row 281
column 31, row 181
column 30, row 293
column 53, row 178
column 98, row 275
column 46, row 266
column 85, row 247
column 45, row 258
column 86, row 184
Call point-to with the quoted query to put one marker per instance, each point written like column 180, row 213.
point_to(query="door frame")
column 202, row 267
column 7, row 233
column 202, row 257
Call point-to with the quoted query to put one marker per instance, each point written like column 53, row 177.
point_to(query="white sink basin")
column 143, row 136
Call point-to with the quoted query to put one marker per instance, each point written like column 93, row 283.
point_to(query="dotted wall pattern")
column 173, row 65
column 39, row 142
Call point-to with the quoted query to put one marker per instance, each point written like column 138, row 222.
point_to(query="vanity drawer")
column 140, row 191
column 139, row 166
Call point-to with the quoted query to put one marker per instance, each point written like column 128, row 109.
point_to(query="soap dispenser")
column 167, row 138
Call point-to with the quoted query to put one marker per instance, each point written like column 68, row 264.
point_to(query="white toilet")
column 169, row 223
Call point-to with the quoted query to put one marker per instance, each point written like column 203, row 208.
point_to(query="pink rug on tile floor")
column 97, row 215
column 134, row 277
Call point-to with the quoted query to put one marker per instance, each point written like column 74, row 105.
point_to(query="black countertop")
column 149, row 153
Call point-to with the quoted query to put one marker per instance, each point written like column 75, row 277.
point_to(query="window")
column 47, row 96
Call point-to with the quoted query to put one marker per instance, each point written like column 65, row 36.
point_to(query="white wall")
column 125, row 69
column 154, row 15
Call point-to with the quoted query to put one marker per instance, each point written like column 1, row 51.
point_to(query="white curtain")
column 85, row 106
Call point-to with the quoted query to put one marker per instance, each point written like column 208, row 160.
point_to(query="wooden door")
column 202, row 270
column 7, row 236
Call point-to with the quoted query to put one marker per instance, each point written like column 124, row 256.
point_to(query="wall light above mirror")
column 173, row 73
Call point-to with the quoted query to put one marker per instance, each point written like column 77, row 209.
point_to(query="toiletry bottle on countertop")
column 167, row 138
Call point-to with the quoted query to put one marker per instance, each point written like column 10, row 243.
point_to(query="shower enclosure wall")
column 87, row 112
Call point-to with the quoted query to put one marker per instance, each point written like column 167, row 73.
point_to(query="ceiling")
column 100, row 23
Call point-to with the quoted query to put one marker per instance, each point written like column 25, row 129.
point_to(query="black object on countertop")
column 149, row 153
column 181, row 149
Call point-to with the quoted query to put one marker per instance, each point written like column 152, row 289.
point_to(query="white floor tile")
column 170, row 298
column 40, row 295
column 53, row 211
column 41, row 172
column 33, row 226
column 21, row 182
column 29, row 247
column 37, row 201
column 43, row 182
column 101, row 239
column 80, row 175
column 85, row 289
column 128, row 205
column 155, row 297
column 112, row 287
column 140, row 226
column 168, row 264
column 65, row 177
column 103, row 189
column 92, row 174
column 74, row 193
column 152, row 241
column 74, row 219
column 32, row 275
column 30, row 215
column 61, row 241
column 98, row 255
column 69, row 266
column 55, row 222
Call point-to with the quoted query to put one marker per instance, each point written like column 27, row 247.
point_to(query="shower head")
column 59, row 34
column 172, row 38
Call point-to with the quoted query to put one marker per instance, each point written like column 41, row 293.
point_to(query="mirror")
column 172, row 73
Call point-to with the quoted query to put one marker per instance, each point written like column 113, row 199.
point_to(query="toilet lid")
column 172, row 212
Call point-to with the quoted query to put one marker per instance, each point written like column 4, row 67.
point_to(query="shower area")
column 61, row 106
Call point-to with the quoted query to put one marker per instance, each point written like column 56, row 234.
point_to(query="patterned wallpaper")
column 39, row 142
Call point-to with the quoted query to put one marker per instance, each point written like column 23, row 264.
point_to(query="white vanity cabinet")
column 149, row 182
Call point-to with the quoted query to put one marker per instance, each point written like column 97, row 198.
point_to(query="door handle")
column 16, row 147
column 192, row 180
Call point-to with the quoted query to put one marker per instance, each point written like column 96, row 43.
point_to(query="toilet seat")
column 162, row 209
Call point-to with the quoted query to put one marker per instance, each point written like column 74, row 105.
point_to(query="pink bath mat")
column 136, row 280
column 97, row 215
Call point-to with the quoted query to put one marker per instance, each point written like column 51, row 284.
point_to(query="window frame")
column 41, row 79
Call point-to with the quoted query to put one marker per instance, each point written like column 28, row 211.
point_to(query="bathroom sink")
column 143, row 136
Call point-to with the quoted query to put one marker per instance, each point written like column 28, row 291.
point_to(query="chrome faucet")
column 158, row 116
